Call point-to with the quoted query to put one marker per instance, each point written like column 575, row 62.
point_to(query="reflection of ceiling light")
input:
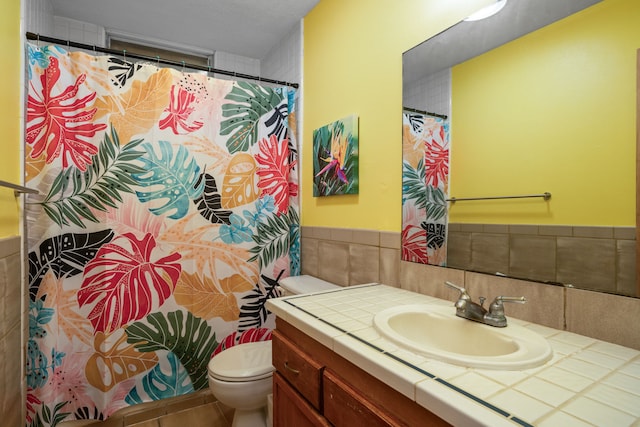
column 488, row 11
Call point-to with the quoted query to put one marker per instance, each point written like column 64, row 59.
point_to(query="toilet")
column 240, row 377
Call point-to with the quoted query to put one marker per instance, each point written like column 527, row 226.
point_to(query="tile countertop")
column 587, row 382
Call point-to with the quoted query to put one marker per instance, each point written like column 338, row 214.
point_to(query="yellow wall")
column 353, row 65
column 10, row 122
column 552, row 111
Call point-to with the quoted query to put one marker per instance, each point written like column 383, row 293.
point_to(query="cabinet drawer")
column 346, row 406
column 303, row 373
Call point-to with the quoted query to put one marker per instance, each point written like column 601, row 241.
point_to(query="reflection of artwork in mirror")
column 335, row 158
column 425, row 182
column 549, row 107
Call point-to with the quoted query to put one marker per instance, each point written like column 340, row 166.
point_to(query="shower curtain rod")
column 157, row 59
column 413, row 110
column 17, row 189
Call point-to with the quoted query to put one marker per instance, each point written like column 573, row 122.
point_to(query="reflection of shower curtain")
column 425, row 182
column 167, row 214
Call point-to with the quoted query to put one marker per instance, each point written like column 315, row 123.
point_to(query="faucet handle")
column 495, row 316
column 497, row 309
column 519, row 300
column 463, row 292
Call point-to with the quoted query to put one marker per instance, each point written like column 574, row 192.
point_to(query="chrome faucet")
column 468, row 309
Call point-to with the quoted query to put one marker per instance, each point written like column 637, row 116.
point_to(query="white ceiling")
column 242, row 27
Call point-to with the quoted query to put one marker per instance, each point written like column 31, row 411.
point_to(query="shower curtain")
column 167, row 214
column 425, row 185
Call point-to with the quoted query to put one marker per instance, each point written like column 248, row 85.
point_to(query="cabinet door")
column 344, row 406
column 290, row 409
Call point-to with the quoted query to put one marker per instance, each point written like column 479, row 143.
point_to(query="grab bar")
column 17, row 189
column 545, row 196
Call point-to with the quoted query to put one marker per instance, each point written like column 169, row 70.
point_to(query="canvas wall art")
column 335, row 158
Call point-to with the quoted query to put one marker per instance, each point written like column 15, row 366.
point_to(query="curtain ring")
column 157, row 61
column 124, row 55
column 38, row 40
column 183, row 66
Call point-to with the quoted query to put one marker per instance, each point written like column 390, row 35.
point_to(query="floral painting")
column 335, row 158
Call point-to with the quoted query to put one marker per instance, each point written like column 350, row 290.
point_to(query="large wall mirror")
column 531, row 115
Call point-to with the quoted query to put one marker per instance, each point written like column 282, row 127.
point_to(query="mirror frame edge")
column 638, row 171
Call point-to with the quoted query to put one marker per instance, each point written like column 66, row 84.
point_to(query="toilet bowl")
column 241, row 376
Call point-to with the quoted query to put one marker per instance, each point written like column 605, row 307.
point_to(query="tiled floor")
column 205, row 415
column 199, row 409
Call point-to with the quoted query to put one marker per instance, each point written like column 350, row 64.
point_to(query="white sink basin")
column 435, row 331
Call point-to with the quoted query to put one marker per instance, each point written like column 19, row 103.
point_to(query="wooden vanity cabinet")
column 313, row 386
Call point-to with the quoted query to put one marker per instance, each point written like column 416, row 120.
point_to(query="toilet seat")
column 242, row 362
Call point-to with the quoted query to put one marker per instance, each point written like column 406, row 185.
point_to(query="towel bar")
column 545, row 196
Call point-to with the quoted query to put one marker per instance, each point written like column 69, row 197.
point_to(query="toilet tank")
column 305, row 284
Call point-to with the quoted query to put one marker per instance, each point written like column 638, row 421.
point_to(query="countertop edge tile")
column 308, row 324
column 393, row 373
column 441, row 400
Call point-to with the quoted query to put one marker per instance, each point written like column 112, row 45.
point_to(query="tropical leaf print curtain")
column 167, row 214
column 425, row 185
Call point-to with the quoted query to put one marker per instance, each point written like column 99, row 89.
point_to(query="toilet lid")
column 242, row 362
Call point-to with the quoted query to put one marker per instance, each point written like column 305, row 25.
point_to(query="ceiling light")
column 487, row 11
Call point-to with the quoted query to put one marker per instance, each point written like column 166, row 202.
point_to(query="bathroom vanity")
column 334, row 368
column 314, row 386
